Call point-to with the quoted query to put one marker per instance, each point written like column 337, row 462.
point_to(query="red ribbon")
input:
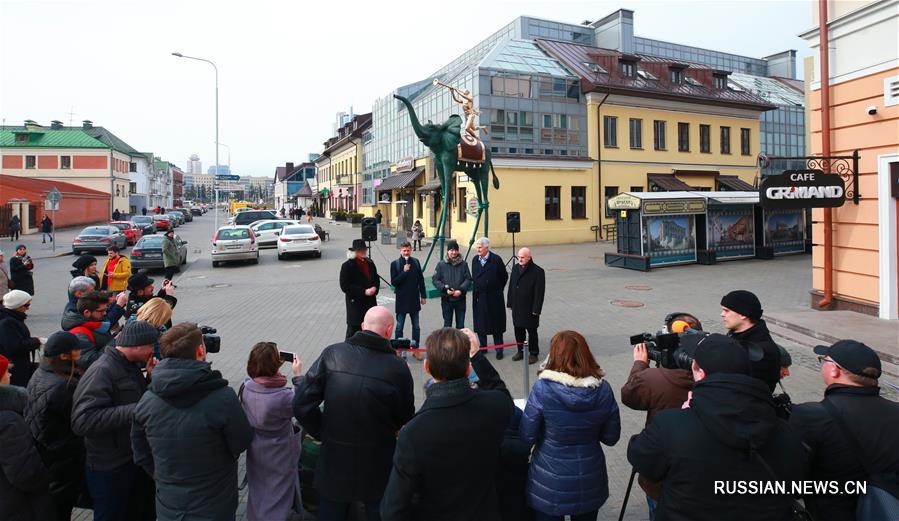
column 487, row 348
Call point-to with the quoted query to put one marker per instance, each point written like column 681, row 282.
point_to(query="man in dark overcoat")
column 359, row 283
column 407, row 278
column 489, row 277
column 527, row 286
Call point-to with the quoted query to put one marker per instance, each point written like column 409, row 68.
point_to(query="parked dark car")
column 177, row 218
column 197, row 210
column 98, row 238
column 145, row 223
column 147, row 253
column 188, row 217
column 248, row 218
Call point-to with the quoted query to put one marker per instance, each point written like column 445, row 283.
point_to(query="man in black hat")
column 851, row 432
column 452, row 278
column 741, row 313
column 359, row 283
column 728, row 431
column 140, row 291
column 103, row 412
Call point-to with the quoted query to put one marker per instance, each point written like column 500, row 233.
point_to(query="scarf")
column 278, row 380
column 454, row 262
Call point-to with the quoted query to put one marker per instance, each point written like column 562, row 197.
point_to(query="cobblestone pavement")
column 298, row 304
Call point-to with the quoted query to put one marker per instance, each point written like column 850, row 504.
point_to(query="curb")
column 886, row 357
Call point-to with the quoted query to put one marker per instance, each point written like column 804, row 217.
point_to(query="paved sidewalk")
column 297, row 303
column 43, row 250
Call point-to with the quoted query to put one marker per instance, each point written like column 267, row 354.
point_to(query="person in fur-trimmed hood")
column 571, row 410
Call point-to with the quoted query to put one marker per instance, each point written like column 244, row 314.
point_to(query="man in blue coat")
column 409, row 281
column 489, row 277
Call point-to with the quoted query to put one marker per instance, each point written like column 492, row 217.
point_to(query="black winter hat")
column 718, row 353
column 139, row 282
column 82, row 262
column 137, row 333
column 61, row 342
column 452, row 245
column 743, row 302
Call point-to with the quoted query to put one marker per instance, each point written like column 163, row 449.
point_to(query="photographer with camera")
column 189, row 430
column 726, row 434
column 741, row 313
column 653, row 389
column 367, row 391
column 140, row 291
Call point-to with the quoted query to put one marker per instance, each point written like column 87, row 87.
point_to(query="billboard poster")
column 785, row 231
column 731, row 232
column 670, row 239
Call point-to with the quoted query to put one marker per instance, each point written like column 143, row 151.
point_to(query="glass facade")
column 715, row 59
column 529, row 102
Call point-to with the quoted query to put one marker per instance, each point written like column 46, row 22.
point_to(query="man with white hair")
column 527, row 287
column 369, row 397
column 80, row 286
column 489, row 277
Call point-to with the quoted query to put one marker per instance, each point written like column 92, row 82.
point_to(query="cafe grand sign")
column 802, row 189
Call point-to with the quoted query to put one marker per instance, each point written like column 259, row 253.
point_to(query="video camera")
column 674, row 345
column 400, row 343
column 212, row 341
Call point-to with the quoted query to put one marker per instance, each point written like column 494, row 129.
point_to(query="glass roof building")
column 531, row 104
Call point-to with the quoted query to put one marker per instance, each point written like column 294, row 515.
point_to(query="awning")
column 431, row 186
column 396, row 181
column 734, row 183
column 668, row 183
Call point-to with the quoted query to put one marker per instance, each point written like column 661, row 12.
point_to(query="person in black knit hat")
column 741, row 313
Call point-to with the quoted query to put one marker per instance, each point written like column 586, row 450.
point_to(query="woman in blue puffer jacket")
column 571, row 410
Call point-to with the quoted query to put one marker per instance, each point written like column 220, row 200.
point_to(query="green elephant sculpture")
column 451, row 153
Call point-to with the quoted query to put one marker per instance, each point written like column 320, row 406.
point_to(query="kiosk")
column 656, row 228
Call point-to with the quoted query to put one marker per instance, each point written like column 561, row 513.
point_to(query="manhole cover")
column 223, row 285
column 627, row 303
column 638, row 287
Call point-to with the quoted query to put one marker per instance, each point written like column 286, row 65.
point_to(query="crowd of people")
column 121, row 412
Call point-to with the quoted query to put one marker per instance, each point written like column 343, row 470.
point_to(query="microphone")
column 679, row 326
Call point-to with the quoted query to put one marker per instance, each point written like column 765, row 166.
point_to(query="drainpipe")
column 111, row 185
column 599, row 164
column 824, row 58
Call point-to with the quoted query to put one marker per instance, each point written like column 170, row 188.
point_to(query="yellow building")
column 339, row 167
column 660, row 125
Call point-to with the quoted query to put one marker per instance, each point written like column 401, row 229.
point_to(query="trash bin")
column 385, row 236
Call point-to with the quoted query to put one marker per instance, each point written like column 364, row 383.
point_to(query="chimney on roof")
column 87, row 124
column 288, row 169
column 56, row 124
column 31, row 124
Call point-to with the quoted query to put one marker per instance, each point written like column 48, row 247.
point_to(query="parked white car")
column 266, row 230
column 234, row 243
column 297, row 239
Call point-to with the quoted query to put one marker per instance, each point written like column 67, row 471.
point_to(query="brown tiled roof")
column 734, row 183
column 668, row 183
column 40, row 187
column 432, row 185
column 361, row 121
column 583, row 59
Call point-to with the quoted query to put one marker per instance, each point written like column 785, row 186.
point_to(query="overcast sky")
column 287, row 67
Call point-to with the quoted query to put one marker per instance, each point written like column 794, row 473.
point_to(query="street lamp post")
column 215, row 185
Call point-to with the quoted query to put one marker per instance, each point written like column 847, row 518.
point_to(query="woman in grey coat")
column 272, row 479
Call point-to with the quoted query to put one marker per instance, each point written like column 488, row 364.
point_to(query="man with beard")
column 452, row 278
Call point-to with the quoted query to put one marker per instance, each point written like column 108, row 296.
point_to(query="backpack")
column 881, row 498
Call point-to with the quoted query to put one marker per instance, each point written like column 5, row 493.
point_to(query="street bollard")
column 527, row 374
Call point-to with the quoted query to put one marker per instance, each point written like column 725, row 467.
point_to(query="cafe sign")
column 802, row 189
column 406, row 164
column 624, row 202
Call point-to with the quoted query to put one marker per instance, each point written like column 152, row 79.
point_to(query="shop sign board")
column 406, row 164
column 673, row 207
column 794, row 189
column 624, row 202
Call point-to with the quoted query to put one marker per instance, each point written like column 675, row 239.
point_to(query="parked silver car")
column 98, row 238
column 234, row 243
